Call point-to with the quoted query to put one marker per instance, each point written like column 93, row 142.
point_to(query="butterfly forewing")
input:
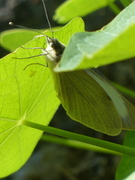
column 86, row 102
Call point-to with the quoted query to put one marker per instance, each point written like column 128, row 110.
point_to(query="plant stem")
column 76, row 144
column 85, row 139
column 125, row 90
column 125, row 3
column 114, row 8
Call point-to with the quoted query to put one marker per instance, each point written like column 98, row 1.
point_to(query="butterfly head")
column 54, row 49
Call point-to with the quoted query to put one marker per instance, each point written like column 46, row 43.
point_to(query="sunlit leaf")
column 73, row 8
column 113, row 43
column 26, row 95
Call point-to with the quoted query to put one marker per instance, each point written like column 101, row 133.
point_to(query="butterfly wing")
column 125, row 108
column 91, row 100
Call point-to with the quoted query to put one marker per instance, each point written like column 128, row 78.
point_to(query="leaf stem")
column 125, row 3
column 85, row 139
column 114, row 7
column 76, row 144
column 125, row 90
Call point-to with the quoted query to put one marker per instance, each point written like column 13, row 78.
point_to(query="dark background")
column 52, row 161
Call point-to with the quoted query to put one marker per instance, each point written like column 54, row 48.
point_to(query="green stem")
column 89, row 140
column 114, row 8
column 76, row 144
column 125, row 90
column 125, row 3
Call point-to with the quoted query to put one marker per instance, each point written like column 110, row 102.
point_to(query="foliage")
column 29, row 96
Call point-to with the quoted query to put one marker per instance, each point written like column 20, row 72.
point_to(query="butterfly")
column 88, row 97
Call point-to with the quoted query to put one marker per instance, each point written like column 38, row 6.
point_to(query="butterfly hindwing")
column 87, row 102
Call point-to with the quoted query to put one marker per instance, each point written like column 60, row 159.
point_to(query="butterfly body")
column 54, row 50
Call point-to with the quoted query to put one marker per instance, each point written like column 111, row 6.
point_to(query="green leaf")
column 12, row 39
column 113, row 43
column 74, row 8
column 26, row 95
column 126, row 168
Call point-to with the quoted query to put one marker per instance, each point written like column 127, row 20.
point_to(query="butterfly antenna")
column 23, row 27
column 48, row 21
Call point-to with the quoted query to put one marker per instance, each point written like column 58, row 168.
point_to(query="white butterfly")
column 88, row 97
